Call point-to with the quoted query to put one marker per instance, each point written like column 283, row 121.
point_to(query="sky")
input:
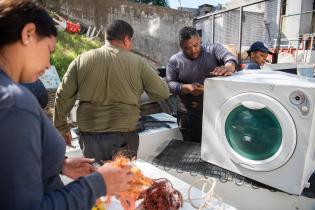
column 193, row 3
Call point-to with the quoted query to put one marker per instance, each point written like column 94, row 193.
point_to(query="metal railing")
column 238, row 27
column 300, row 28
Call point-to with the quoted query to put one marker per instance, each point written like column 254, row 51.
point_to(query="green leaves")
column 68, row 47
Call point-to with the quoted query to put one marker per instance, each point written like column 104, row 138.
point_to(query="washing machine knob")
column 304, row 109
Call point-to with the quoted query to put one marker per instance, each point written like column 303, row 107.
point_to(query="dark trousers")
column 190, row 125
column 104, row 146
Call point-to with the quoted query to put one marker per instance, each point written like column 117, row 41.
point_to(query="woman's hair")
column 15, row 14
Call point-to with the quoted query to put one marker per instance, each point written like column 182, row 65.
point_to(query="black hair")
column 187, row 32
column 118, row 30
column 15, row 14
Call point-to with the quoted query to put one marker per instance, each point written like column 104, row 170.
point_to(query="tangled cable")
column 161, row 196
column 210, row 198
column 154, row 194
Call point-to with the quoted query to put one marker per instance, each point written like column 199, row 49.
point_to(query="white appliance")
column 301, row 69
column 261, row 124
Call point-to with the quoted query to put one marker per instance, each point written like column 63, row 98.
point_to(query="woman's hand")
column 77, row 167
column 116, row 179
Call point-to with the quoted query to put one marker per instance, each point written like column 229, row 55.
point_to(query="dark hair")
column 118, row 29
column 15, row 14
column 187, row 33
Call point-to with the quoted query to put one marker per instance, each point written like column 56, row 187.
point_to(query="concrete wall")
column 156, row 28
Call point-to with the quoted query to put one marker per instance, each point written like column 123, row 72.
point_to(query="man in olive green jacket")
column 109, row 82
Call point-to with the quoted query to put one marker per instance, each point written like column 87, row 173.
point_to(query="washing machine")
column 260, row 124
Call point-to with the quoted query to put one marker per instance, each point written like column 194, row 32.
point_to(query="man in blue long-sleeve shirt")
column 185, row 74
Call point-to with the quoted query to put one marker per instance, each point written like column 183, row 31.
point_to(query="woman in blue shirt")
column 31, row 150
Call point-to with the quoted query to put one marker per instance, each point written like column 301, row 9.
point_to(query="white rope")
column 210, row 198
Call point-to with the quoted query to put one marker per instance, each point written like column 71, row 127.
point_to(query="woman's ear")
column 28, row 34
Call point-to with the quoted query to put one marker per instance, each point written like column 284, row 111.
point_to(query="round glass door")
column 253, row 134
column 258, row 132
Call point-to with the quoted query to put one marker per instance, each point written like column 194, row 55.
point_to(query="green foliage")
column 68, row 47
column 163, row 3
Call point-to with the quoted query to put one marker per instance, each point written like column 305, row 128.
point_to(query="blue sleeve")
column 78, row 195
column 252, row 66
column 172, row 75
column 21, row 185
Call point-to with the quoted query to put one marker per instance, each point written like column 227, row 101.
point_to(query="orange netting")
column 156, row 194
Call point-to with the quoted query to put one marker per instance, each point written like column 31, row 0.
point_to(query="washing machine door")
column 258, row 132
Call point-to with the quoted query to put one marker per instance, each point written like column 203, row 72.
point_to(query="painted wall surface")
column 156, row 28
column 306, row 19
column 290, row 26
column 295, row 26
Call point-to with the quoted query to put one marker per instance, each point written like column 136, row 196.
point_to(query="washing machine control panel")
column 300, row 101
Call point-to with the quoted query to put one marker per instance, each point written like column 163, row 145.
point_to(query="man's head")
column 120, row 32
column 190, row 42
column 258, row 53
